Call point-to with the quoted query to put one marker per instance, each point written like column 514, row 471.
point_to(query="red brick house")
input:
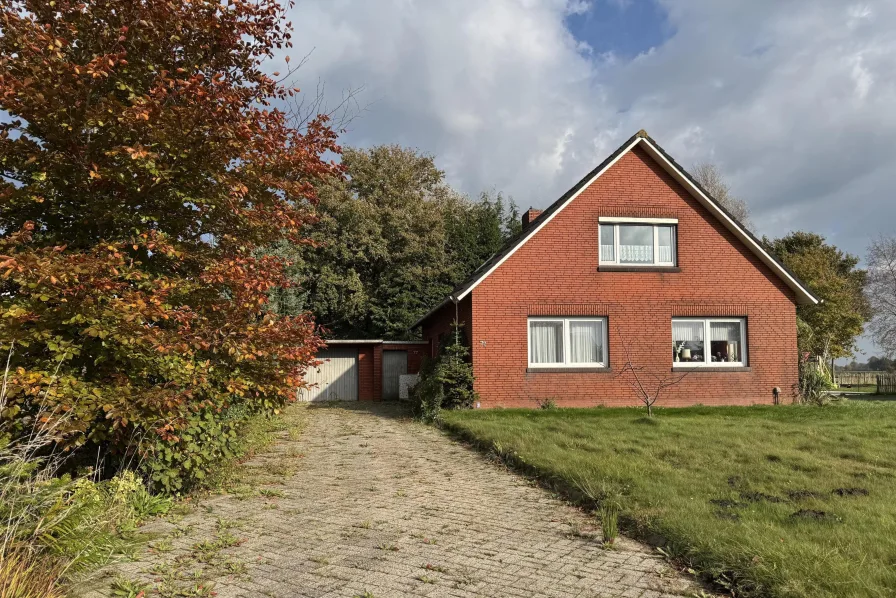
column 635, row 263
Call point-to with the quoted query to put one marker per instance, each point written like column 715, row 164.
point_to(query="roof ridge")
column 473, row 279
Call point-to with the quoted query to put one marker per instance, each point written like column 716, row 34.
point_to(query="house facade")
column 635, row 266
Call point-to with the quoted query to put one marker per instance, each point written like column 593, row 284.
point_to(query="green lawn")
column 787, row 501
column 869, row 388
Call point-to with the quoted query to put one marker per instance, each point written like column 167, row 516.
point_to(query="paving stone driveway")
column 383, row 506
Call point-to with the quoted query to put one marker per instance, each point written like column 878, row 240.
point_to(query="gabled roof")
column 804, row 296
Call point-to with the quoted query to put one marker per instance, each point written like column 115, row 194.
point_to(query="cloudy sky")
column 794, row 100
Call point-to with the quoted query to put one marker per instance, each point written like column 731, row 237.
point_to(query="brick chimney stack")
column 529, row 216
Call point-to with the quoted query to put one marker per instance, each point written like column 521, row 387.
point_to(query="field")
column 774, row 501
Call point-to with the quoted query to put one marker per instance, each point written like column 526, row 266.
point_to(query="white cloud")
column 793, row 100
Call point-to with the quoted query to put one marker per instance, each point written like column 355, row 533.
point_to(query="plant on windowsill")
column 678, row 349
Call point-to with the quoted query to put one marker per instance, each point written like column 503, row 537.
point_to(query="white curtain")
column 727, row 340
column 636, row 254
column 606, row 253
column 687, row 331
column 724, row 331
column 586, row 341
column 545, row 342
column 664, row 238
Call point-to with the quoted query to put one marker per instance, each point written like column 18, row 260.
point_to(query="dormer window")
column 638, row 241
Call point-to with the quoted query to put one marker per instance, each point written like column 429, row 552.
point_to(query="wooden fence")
column 852, row 379
column 886, row 384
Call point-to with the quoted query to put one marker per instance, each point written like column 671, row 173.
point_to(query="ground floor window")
column 567, row 342
column 709, row 341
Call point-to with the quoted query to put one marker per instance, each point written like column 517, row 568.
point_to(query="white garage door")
column 336, row 379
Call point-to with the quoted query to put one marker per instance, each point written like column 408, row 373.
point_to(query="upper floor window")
column 638, row 241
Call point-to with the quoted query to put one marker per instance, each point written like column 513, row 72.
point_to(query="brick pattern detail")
column 569, row 309
column 440, row 323
column 637, row 212
column 708, row 309
column 366, row 373
column 558, row 266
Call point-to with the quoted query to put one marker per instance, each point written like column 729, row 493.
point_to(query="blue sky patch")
column 625, row 27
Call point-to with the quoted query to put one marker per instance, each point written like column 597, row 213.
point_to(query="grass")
column 786, row 501
column 244, row 477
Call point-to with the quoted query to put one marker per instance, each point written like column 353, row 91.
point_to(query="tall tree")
column 830, row 328
column 881, row 293
column 141, row 166
column 391, row 241
column 710, row 178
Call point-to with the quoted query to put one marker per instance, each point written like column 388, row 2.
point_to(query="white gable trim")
column 624, row 220
column 546, row 220
column 804, row 296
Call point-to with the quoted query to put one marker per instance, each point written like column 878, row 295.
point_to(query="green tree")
column 391, row 240
column 477, row 230
column 446, row 382
column 832, row 326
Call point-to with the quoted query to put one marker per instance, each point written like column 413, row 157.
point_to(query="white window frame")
column 707, row 361
column 656, row 223
column 566, row 344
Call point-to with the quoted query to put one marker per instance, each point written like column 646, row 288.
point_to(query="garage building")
column 362, row 370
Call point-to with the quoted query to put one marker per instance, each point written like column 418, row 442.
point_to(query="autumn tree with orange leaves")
column 143, row 163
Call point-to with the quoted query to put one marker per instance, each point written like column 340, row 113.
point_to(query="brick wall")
column 370, row 366
column 367, row 374
column 556, row 273
column 440, row 323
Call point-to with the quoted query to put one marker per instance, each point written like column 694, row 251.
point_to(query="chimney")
column 529, row 216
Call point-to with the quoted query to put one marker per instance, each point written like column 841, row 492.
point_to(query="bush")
column 814, row 380
column 428, row 394
column 445, row 382
column 178, row 464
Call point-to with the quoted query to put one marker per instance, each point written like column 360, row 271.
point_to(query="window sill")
column 615, row 268
column 704, row 368
column 563, row 370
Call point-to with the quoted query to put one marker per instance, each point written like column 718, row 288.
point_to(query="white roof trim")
column 546, row 220
column 803, row 295
column 624, row 220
